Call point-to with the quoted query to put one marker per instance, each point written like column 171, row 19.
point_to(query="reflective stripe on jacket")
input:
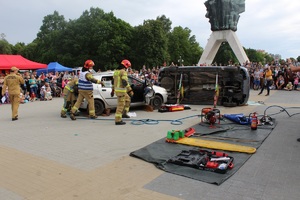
column 83, row 83
column 71, row 84
column 120, row 75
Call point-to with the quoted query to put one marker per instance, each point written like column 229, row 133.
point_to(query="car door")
column 138, row 88
column 106, row 90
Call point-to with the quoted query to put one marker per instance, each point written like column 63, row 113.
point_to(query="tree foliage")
column 49, row 38
column 225, row 55
column 183, row 46
column 150, row 44
column 5, row 47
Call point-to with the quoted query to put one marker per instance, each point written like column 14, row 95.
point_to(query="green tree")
column 267, row 57
column 49, row 38
column 166, row 23
column 183, row 45
column 19, row 48
column 255, row 56
column 150, row 44
column 98, row 36
column 30, row 50
column 224, row 55
column 5, row 47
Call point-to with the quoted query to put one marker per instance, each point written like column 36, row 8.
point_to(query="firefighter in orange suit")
column 123, row 92
column 12, row 82
column 70, row 95
column 85, row 90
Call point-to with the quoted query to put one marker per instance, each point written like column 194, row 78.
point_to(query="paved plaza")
column 45, row 157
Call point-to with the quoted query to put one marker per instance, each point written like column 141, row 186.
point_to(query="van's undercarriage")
column 199, row 83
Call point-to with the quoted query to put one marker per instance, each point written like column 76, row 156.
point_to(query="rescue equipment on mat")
column 254, row 121
column 179, row 89
column 238, row 118
column 175, row 135
column 210, row 144
column 173, row 107
column 217, row 92
column 210, row 115
column 182, row 137
column 266, row 120
column 218, row 162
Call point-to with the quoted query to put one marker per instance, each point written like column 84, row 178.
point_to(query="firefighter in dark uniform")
column 123, row 92
column 85, row 90
column 13, row 82
column 70, row 94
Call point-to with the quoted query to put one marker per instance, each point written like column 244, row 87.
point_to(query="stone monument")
column 223, row 17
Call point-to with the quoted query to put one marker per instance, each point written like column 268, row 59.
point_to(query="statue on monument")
column 224, row 14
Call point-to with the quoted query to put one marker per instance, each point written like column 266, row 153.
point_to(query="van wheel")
column 156, row 102
column 99, row 107
column 167, row 83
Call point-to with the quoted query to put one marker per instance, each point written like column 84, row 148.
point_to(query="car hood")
column 160, row 89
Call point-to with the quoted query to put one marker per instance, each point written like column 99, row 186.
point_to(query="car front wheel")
column 99, row 107
column 156, row 102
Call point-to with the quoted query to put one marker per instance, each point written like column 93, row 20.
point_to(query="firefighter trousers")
column 122, row 107
column 15, row 102
column 88, row 95
column 69, row 101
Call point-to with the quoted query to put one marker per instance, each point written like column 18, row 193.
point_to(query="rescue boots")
column 63, row 115
column 72, row 116
column 15, row 118
column 93, row 117
column 120, row 123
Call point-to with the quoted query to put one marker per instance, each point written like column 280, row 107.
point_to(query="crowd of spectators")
column 282, row 76
column 41, row 87
column 47, row 85
column 146, row 73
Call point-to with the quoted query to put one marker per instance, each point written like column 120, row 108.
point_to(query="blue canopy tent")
column 54, row 67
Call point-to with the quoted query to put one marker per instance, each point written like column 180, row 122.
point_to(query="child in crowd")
column 56, row 90
column 6, row 96
column 22, row 97
column 273, row 86
column 27, row 97
column 48, row 95
column 280, row 82
column 289, row 86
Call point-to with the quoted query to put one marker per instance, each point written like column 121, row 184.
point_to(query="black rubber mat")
column 160, row 151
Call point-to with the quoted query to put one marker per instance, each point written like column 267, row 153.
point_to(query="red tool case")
column 218, row 162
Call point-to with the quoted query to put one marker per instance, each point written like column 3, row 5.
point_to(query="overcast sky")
column 270, row 25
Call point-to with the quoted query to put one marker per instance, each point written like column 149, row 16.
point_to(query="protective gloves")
column 112, row 93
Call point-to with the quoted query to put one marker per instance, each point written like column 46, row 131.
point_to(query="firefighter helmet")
column 89, row 64
column 126, row 63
